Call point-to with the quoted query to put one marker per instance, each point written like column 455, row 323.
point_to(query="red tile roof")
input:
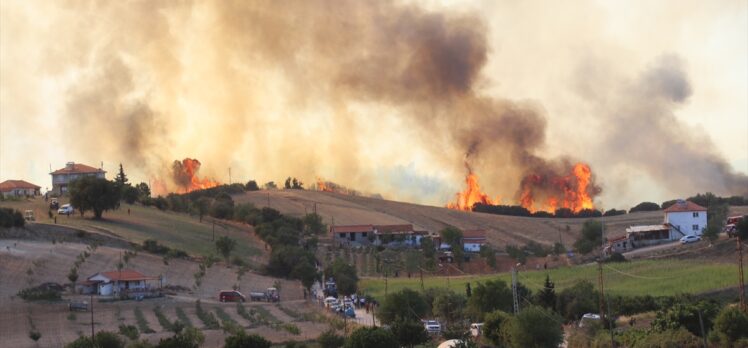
column 125, row 275
column 352, row 229
column 77, row 168
column 684, row 206
column 9, row 185
column 474, row 234
column 393, row 229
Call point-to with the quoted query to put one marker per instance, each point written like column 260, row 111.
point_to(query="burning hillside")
column 571, row 187
column 184, row 174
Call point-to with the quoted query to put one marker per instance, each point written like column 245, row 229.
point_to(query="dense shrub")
column 40, row 293
column 10, row 217
column 645, row 206
column 371, row 337
column 731, row 324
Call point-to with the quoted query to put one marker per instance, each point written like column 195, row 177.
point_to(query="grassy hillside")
column 503, row 230
column 175, row 230
column 646, row 277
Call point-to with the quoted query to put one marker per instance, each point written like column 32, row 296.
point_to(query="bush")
column 536, row 327
column 129, row 331
column 40, row 293
column 616, row 257
column 731, row 324
column 142, row 323
column 102, row 339
column 208, row 319
column 329, row 339
column 371, row 337
column 242, row 340
column 10, row 217
column 645, row 206
column 404, row 305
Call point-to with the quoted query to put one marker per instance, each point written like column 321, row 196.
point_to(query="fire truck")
column 730, row 226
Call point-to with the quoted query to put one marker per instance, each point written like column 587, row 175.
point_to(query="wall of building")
column 687, row 223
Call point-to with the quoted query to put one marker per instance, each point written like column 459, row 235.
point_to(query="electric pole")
column 515, row 295
column 741, row 284
column 92, row 322
column 602, row 289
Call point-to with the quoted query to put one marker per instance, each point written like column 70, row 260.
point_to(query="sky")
column 398, row 98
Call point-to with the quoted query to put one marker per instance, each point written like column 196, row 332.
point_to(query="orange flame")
column 570, row 191
column 185, row 176
column 323, row 186
column 472, row 194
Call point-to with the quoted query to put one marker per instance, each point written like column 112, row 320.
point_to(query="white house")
column 62, row 178
column 124, row 283
column 685, row 218
column 472, row 240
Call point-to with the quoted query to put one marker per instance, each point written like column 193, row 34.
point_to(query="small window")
column 695, row 227
column 695, row 214
column 363, row 234
column 342, row 235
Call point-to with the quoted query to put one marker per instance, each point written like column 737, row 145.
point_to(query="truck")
column 731, row 225
column 269, row 295
column 331, row 288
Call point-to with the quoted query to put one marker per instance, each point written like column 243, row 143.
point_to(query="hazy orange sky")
column 382, row 96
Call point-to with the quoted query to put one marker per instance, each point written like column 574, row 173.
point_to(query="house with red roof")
column 126, row 283
column 473, row 240
column 62, row 178
column 685, row 218
column 377, row 234
column 18, row 188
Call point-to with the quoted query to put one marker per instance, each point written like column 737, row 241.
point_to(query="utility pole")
column 741, row 284
column 602, row 289
column 229, row 175
column 421, row 271
column 515, row 295
column 214, row 230
column 701, row 325
column 92, row 322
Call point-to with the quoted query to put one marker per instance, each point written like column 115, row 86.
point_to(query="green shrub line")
column 207, row 317
column 142, row 323
column 162, row 320
column 183, row 318
column 250, row 315
column 129, row 331
column 224, row 316
column 290, row 312
column 291, row 328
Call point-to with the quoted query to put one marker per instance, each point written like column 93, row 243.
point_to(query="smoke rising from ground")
column 301, row 88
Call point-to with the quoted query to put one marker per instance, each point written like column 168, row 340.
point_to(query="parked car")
column 231, row 296
column 432, row 326
column 75, row 305
column 54, row 204
column 66, row 209
column 588, row 318
column 690, row 239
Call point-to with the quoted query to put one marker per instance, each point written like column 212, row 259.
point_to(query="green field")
column 175, row 230
column 647, row 277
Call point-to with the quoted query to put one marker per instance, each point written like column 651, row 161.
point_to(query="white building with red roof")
column 473, row 240
column 685, row 218
column 126, row 283
column 62, row 178
column 18, row 188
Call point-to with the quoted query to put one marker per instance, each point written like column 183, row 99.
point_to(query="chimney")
column 70, row 165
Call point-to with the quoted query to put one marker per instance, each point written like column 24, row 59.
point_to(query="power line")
column 637, row 276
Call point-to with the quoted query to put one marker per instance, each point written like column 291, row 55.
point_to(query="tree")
column 546, row 298
column 731, row 324
column 536, row 327
column 143, row 191
column 313, row 224
column 495, row 328
column 686, row 315
column 429, row 252
column 329, row 339
column 742, row 228
column 187, row 338
column 270, row 185
column 345, row 276
column 404, row 305
column 448, row 306
column 102, row 339
column 96, row 194
column 202, row 205
column 488, row 297
column 252, row 186
column 645, row 206
column 73, row 276
column 591, row 237
column 225, row 246
column 242, row 340
column 121, row 179
column 371, row 337
column 223, row 206
column 717, row 214
column 287, row 184
column 577, row 300
column 453, row 237
column 489, row 255
column 130, row 194
column 409, row 333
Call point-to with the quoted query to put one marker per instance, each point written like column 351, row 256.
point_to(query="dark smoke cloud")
column 643, row 132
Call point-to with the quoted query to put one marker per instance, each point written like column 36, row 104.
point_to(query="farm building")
column 377, row 234
column 472, row 240
column 685, row 218
column 18, row 188
column 126, row 283
column 62, row 178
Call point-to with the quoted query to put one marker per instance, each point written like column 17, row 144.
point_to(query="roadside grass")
column 223, row 316
column 142, row 323
column 664, row 277
column 183, row 318
column 175, row 230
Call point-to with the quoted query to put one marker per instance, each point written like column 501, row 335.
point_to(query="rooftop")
column 394, row 229
column 124, row 275
column 352, row 229
column 647, row 228
column 9, row 185
column 474, row 234
column 684, row 206
column 77, row 168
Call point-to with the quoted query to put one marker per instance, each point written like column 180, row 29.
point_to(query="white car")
column 66, row 209
column 690, row 239
column 588, row 318
column 432, row 326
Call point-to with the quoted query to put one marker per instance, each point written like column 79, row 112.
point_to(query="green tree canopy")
column 95, row 194
column 731, row 324
column 329, row 339
column 409, row 333
column 404, row 305
column 371, row 337
column 242, row 340
column 252, row 186
column 577, row 300
column 345, row 276
column 102, row 339
column 313, row 224
column 449, row 306
column 546, row 297
column 536, row 327
column 591, row 237
column 225, row 246
column 488, row 297
column 496, row 328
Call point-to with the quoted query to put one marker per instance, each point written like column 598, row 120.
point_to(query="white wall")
column 685, row 221
column 472, row 247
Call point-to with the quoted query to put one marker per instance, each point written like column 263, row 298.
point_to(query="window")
column 695, row 227
column 342, row 235
column 695, row 214
column 363, row 234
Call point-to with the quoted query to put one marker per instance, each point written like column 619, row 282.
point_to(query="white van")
column 66, row 209
column 476, row 329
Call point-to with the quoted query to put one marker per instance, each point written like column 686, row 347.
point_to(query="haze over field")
column 399, row 98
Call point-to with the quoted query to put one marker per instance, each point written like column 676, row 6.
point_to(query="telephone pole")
column 602, row 289
column 515, row 295
column 741, row 284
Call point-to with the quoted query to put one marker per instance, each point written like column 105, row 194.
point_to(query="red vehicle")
column 231, row 296
column 730, row 226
